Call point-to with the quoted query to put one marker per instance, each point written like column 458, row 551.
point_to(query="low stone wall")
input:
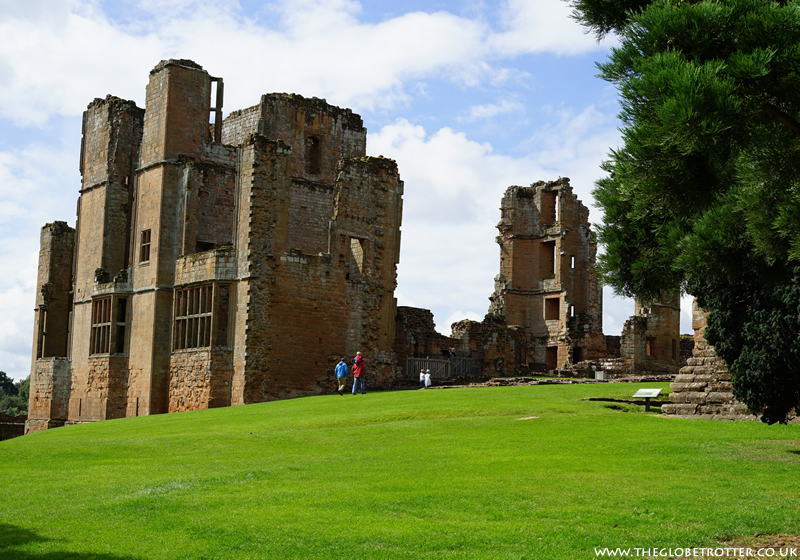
column 11, row 426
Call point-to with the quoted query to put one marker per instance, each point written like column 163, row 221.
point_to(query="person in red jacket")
column 358, row 373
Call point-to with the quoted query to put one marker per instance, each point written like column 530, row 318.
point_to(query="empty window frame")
column 650, row 347
column 313, row 155
column 551, row 308
column 42, row 329
column 144, row 246
column 356, row 262
column 549, row 213
column 192, row 325
column 547, row 259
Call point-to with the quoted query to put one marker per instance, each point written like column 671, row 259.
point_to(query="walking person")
column 358, row 373
column 341, row 375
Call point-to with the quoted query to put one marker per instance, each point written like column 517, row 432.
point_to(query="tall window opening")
column 41, row 334
column 122, row 309
column 222, row 317
column 100, row 340
column 144, row 248
column 192, row 326
column 313, row 155
column 355, row 265
column 549, row 212
column 547, row 259
column 577, row 355
column 650, row 347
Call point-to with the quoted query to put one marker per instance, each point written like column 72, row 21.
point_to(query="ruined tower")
column 547, row 281
column 214, row 264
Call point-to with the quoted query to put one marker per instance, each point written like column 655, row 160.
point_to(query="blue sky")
column 469, row 97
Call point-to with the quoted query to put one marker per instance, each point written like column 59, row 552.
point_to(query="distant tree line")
column 14, row 395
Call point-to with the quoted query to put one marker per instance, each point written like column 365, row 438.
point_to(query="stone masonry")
column 546, row 310
column 214, row 264
column 547, row 281
column 703, row 387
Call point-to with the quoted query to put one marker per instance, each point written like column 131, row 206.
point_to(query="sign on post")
column 647, row 394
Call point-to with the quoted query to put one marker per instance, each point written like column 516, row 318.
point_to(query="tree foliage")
column 705, row 192
column 14, row 396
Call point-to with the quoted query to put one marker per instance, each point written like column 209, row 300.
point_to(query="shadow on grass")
column 12, row 536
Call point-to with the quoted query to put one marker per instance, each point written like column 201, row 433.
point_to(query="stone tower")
column 547, row 281
column 214, row 263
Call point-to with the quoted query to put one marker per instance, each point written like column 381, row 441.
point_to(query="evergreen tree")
column 705, row 192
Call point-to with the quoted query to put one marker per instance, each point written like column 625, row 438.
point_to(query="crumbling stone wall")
column 502, row 348
column 703, row 387
column 53, row 287
column 547, row 282
column 416, row 336
column 216, row 266
column 50, row 393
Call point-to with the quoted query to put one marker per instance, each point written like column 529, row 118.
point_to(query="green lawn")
column 456, row 473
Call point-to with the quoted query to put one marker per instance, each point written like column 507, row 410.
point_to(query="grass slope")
column 417, row 474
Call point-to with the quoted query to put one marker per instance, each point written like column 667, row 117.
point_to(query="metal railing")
column 441, row 368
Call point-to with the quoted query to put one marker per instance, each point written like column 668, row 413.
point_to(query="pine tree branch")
column 783, row 118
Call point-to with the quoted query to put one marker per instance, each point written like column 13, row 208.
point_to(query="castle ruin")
column 546, row 312
column 214, row 263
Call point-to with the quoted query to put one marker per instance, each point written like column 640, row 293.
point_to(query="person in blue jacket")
column 341, row 375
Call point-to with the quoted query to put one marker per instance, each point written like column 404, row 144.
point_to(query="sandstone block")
column 722, row 386
column 678, row 397
column 707, row 353
column 679, row 386
column 685, row 409
column 668, row 409
column 694, row 362
column 684, row 377
column 720, row 398
column 696, row 397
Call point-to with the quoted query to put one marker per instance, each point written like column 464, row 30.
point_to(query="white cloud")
column 38, row 184
column 477, row 112
column 453, row 188
column 540, row 26
column 57, row 56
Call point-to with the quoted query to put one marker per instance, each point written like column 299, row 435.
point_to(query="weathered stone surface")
column 547, row 282
column 710, row 389
column 216, row 265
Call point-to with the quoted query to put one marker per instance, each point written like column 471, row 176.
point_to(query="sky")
column 469, row 97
